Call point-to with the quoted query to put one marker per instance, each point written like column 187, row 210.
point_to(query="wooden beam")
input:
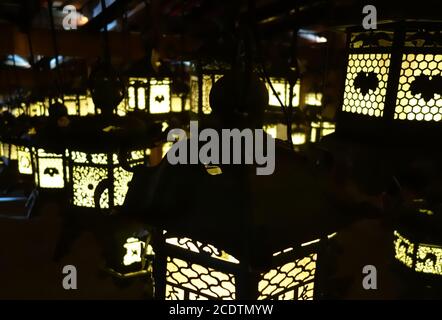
column 71, row 43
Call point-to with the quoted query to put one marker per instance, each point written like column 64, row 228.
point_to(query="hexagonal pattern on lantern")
column 419, row 94
column 366, row 84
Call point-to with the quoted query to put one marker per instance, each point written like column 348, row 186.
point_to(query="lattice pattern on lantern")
column 37, row 109
column 426, row 258
column 49, row 170
column 81, row 105
column 187, row 280
column 420, row 88
column 282, row 88
column 369, row 39
column 291, row 281
column 159, row 95
column 24, row 160
column 366, row 84
column 85, row 180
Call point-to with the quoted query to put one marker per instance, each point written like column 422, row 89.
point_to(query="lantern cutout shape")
column 197, row 271
column 415, row 247
column 150, row 94
column 24, row 158
column 392, row 80
column 282, row 90
column 200, row 86
column 50, row 169
column 99, row 180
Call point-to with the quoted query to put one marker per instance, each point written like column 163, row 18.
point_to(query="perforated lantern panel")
column 420, row 257
column 366, row 84
column 420, row 88
column 89, row 170
column 159, row 96
column 292, row 279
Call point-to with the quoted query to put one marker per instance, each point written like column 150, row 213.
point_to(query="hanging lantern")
column 198, row 271
column 393, row 82
column 282, row 89
column 320, row 129
column 99, row 180
column 80, row 105
column 200, row 86
column 50, row 169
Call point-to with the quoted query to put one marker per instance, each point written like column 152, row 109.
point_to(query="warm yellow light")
column 208, row 81
column 403, row 249
column 159, row 100
column 324, row 129
column 313, row 99
column 298, row 138
column 134, row 250
column 418, row 106
column 24, row 160
column 50, row 170
column 282, row 88
column 429, row 259
column 270, row 130
column 372, row 102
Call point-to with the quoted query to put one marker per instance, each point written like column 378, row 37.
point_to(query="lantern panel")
column 313, row 99
column 85, row 179
column 208, row 81
column 24, row 160
column 282, row 88
column 50, row 170
column 159, row 97
column 403, row 249
column 419, row 96
column 194, row 94
column 134, row 250
column 121, row 181
column 291, row 281
column 366, row 84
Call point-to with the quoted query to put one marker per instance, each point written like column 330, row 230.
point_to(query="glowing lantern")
column 198, row 271
column 313, row 99
column 282, row 89
column 279, row 131
column 24, row 158
column 80, row 105
column 99, row 180
column 38, row 108
column 321, row 129
column 200, row 86
column 50, row 169
column 393, row 80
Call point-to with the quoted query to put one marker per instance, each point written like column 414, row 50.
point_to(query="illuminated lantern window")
column 80, row 105
column 50, row 169
column 9, row 151
column 39, row 108
column 282, row 88
column 393, row 81
column 200, row 91
column 24, row 158
column 98, row 179
column 321, row 129
column 198, row 271
column 279, row 131
column 313, row 99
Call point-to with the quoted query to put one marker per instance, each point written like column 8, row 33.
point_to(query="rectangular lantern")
column 321, row 129
column 197, row 271
column 200, row 86
column 152, row 95
column 98, row 179
column 50, row 169
column 393, row 82
column 80, row 105
column 282, row 89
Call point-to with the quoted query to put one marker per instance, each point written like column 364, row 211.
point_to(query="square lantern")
column 200, row 86
column 198, row 271
column 393, row 81
column 152, row 95
column 50, row 169
column 320, row 129
column 99, row 180
column 282, row 89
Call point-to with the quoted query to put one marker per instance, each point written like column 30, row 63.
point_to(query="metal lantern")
column 99, row 180
column 282, row 89
column 50, row 169
column 393, row 82
column 199, row 271
column 320, row 129
column 200, row 86
column 152, row 95
column 80, row 105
